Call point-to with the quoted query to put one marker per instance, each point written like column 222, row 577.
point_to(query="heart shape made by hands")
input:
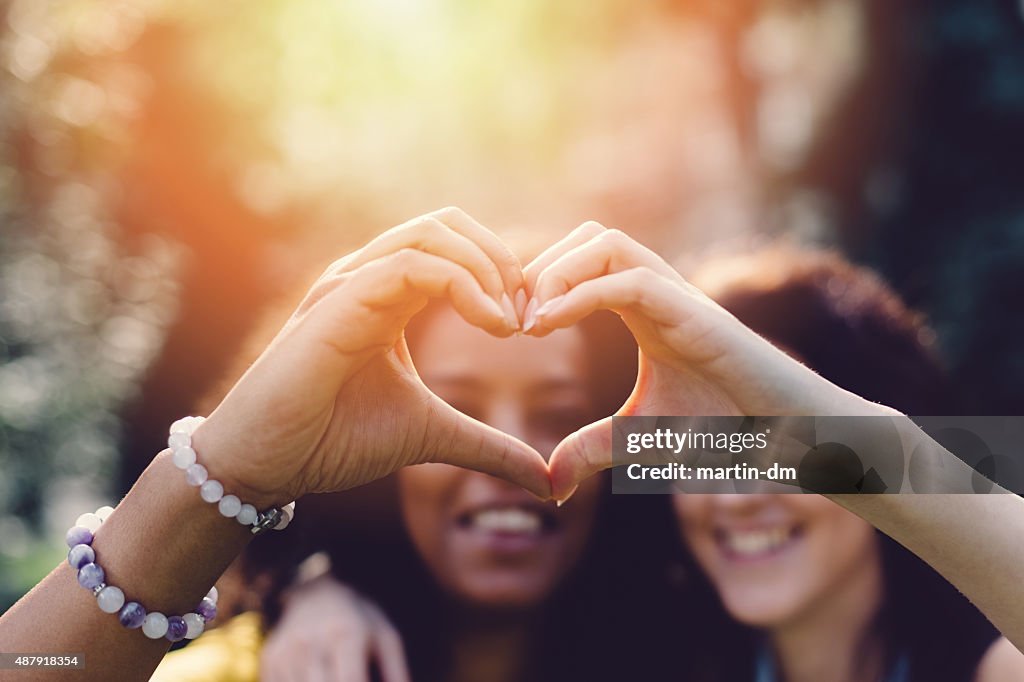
column 335, row 401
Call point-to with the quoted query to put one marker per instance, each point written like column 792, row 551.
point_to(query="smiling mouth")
column 512, row 520
column 754, row 544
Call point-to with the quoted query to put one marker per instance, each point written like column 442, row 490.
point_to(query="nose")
column 508, row 415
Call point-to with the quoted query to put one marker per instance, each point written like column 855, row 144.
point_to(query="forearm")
column 163, row 546
column 973, row 540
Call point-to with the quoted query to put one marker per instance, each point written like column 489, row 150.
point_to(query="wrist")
column 225, row 459
column 163, row 544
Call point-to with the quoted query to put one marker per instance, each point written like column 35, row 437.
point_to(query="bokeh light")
column 168, row 168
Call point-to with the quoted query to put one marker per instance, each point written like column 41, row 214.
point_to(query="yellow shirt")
column 231, row 653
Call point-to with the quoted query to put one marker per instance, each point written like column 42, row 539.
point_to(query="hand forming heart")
column 335, row 401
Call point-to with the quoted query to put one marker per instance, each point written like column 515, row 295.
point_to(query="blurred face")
column 775, row 559
column 489, row 542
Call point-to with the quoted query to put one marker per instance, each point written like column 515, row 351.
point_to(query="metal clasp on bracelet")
column 267, row 520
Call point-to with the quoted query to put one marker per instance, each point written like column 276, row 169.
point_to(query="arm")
column 974, row 541
column 332, row 403
column 1001, row 663
column 697, row 359
column 143, row 539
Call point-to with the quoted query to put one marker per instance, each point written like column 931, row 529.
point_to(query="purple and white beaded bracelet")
column 111, row 599
column 185, row 458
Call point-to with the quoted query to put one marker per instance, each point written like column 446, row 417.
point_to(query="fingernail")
column 530, row 316
column 521, row 303
column 566, row 498
column 509, row 311
column 549, row 306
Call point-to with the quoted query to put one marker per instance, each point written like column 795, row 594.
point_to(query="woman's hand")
column 695, row 357
column 335, row 402
column 330, row 632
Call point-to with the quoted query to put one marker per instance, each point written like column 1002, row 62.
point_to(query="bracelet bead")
column 89, row 521
column 195, row 624
column 186, row 425
column 211, row 491
column 178, row 439
column 287, row 513
column 184, row 457
column 247, row 515
column 207, row 609
column 78, row 535
column 182, row 426
column 196, row 475
column 80, row 555
column 229, row 506
column 110, row 599
column 131, row 615
column 176, row 628
column 154, row 625
column 90, row 576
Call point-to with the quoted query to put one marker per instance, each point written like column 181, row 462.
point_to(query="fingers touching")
column 448, row 254
column 637, row 289
column 589, row 256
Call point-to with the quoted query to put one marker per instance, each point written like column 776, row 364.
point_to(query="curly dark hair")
column 846, row 324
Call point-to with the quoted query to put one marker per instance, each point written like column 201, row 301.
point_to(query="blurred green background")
column 168, row 169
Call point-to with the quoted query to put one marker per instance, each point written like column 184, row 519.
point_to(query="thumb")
column 579, row 456
column 454, row 438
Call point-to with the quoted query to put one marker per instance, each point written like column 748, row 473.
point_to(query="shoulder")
column 1001, row 663
column 230, row 653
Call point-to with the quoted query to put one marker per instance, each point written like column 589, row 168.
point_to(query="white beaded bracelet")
column 185, row 458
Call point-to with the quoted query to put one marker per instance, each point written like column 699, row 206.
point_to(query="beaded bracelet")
column 111, row 599
column 184, row 457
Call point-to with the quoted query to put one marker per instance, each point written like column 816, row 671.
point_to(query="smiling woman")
column 479, row 578
column 482, row 539
column 811, row 591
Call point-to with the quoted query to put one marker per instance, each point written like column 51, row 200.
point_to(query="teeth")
column 509, row 520
column 756, row 542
